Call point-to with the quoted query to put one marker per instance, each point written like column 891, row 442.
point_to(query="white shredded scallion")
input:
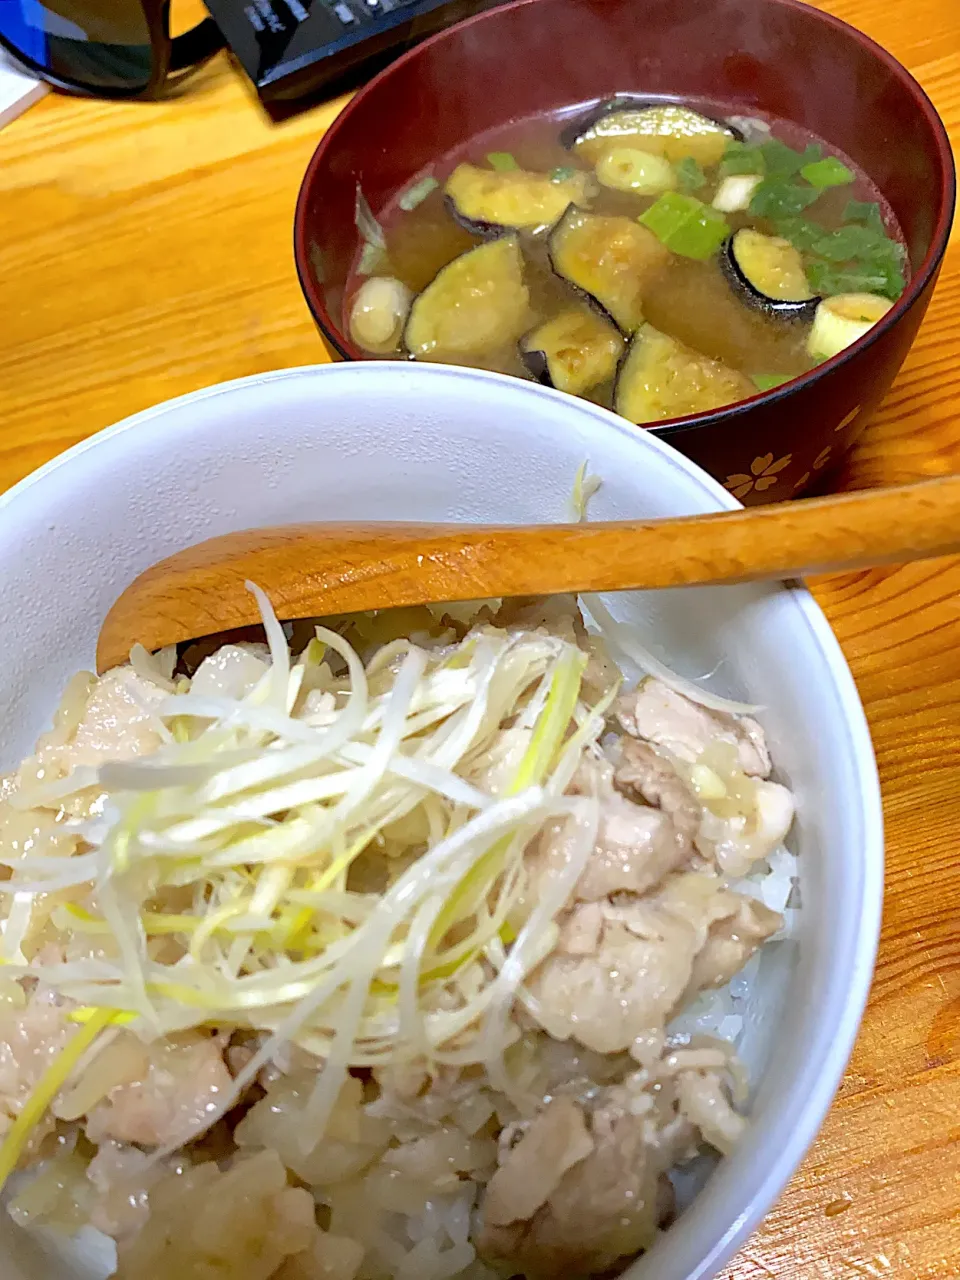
column 369, row 228
column 258, row 812
column 622, row 643
column 413, row 196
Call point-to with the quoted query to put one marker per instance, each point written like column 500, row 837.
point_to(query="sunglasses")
column 103, row 48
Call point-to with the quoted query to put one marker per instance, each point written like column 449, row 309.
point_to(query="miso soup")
column 661, row 259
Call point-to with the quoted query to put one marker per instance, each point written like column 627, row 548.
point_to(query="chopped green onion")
column 851, row 241
column 369, row 228
column 867, row 212
column 686, row 225
column 742, row 158
column 502, row 161
column 779, row 159
column 829, row 281
column 894, row 284
column 857, row 259
column 779, row 197
column 372, row 258
column 839, row 322
column 802, row 234
column 733, row 194
column 772, row 158
column 893, row 250
column 690, row 175
column 417, row 193
column 562, row 174
column 829, row 172
column 783, row 161
column 767, row 381
column 889, row 266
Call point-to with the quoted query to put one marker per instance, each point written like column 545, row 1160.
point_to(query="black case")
column 293, row 49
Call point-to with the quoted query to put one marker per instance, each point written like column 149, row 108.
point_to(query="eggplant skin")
column 482, row 230
column 576, row 137
column 574, row 351
column 537, row 365
column 572, row 134
column 608, row 259
column 660, row 379
column 475, row 305
column 487, row 202
column 750, row 293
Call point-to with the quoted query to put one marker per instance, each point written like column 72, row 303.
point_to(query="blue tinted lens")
column 103, row 44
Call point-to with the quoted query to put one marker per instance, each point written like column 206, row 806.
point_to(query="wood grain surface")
column 145, row 251
column 311, row 569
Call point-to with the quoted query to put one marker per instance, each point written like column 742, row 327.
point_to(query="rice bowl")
column 402, row 919
column 752, row 667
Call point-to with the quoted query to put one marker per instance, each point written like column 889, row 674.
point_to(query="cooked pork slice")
column 185, row 1082
column 553, row 1143
column 117, row 723
column 684, row 729
column 626, row 988
column 643, row 774
column 636, row 847
column 32, row 1036
column 731, row 942
column 580, row 929
column 645, row 960
column 704, row 1102
column 579, row 1220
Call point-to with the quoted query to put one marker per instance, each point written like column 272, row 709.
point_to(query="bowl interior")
column 775, row 56
column 394, row 441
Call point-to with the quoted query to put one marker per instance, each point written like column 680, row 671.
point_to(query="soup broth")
column 652, row 264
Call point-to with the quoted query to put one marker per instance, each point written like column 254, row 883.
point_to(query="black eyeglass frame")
column 170, row 55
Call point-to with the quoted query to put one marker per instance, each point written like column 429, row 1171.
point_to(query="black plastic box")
column 292, row 49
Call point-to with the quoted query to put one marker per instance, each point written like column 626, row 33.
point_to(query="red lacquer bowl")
column 776, row 56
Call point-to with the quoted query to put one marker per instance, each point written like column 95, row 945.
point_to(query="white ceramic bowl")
column 393, row 441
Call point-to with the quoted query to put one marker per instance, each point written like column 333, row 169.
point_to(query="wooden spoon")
column 312, row 570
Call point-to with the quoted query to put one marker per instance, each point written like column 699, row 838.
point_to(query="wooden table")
column 145, row 251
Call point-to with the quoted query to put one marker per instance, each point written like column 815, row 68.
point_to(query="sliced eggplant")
column 476, row 304
column 843, row 320
column 660, row 378
column 574, row 352
column 610, row 259
column 767, row 272
column 665, row 128
column 488, row 201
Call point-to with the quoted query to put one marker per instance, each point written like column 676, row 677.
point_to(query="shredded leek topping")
column 230, row 880
column 374, row 251
column 626, row 650
column 369, row 228
column 414, row 195
column 584, row 487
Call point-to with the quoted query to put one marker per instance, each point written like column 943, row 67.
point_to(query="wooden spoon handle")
column 315, row 569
